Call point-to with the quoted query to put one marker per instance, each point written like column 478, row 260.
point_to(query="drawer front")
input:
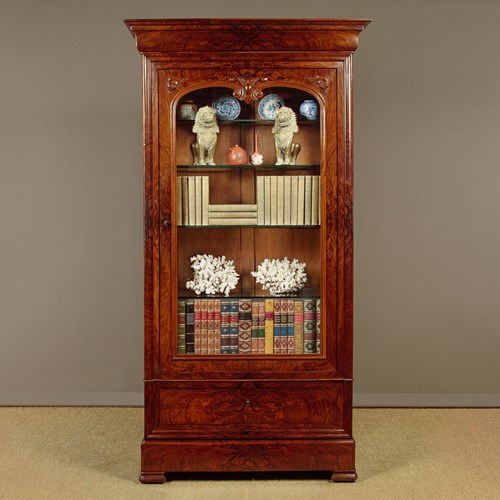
column 249, row 409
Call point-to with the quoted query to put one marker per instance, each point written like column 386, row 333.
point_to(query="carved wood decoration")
column 262, row 411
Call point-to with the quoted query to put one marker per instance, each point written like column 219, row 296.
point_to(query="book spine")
column 309, row 326
column 217, row 326
column 274, row 200
column 197, row 326
column 185, row 200
column 225, row 321
column 189, row 326
column 280, row 195
column 298, row 323
column 249, row 214
column 255, row 327
column 315, row 200
column 234, row 207
column 211, row 326
column 267, row 200
column 307, row 199
column 284, row 326
column 294, row 200
column 245, row 326
column 204, row 326
column 204, row 199
column 178, row 207
column 181, row 326
column 318, row 326
column 260, row 201
column 198, row 199
column 290, row 327
column 233, row 327
column 300, row 200
column 192, row 200
column 287, row 193
column 247, row 221
column 261, row 322
column 277, row 326
column 269, row 326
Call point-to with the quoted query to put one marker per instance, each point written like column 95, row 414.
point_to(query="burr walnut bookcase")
column 258, row 409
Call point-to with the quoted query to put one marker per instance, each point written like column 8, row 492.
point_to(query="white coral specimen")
column 281, row 276
column 212, row 275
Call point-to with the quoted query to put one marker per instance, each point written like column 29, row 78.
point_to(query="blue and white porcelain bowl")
column 309, row 109
column 227, row 107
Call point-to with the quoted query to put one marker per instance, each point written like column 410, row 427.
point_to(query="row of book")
column 289, row 200
column 248, row 326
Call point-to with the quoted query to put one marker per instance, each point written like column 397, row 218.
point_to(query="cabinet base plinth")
column 174, row 456
column 152, row 477
column 348, row 476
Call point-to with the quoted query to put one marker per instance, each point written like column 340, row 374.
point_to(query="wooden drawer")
column 249, row 409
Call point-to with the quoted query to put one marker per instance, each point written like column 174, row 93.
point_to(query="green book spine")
column 233, row 326
column 255, row 326
column 225, row 321
column 309, row 326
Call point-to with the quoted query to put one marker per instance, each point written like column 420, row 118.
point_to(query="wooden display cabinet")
column 258, row 408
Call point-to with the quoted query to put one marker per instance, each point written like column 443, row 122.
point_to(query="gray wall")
column 427, row 204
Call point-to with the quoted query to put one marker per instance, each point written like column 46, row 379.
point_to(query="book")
column 294, row 199
column 287, row 202
column 185, row 200
column 204, row 326
column 197, row 326
column 192, row 200
column 234, row 215
column 269, row 326
column 298, row 323
column 290, row 336
column 225, row 321
column 261, row 324
column 233, row 326
column 277, row 326
column 181, row 326
column 318, row 326
column 280, row 195
column 204, row 199
column 247, row 221
column 211, row 326
column 300, row 200
column 255, row 327
column 217, row 326
column 245, row 326
column 274, row 200
column 315, row 200
column 260, row 200
column 178, row 207
column 189, row 326
column 307, row 199
column 267, row 200
column 235, row 207
column 198, row 199
column 309, row 326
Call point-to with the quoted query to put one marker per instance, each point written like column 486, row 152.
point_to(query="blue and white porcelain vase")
column 309, row 109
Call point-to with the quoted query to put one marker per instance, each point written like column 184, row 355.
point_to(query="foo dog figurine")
column 283, row 130
column 206, row 130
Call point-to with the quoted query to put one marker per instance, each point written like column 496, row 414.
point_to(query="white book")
column 274, row 200
column 232, row 206
column 294, row 187
column 197, row 183
column 260, row 200
column 315, row 200
column 287, row 193
column 185, row 200
column 280, row 198
column 204, row 199
column 267, row 200
column 300, row 200
column 192, row 200
column 226, row 221
column 307, row 199
column 178, row 205
column 319, row 200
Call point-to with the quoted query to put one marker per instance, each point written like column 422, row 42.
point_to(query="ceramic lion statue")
column 206, row 130
column 285, row 126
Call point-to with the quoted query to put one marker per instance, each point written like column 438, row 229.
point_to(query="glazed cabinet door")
column 291, row 203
